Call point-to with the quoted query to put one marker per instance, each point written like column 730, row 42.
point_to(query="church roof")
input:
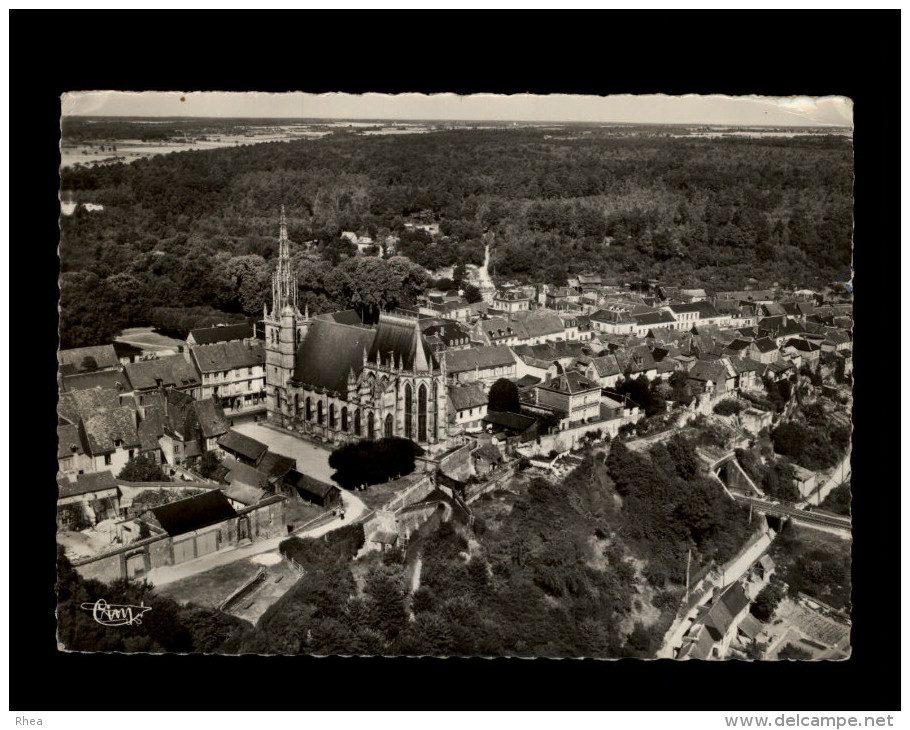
column 400, row 338
column 329, row 352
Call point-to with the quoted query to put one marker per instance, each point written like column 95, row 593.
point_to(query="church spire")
column 284, row 280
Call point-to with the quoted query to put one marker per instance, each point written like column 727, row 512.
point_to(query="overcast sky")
column 744, row 110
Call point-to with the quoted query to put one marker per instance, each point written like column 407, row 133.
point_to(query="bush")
column 765, row 603
column 729, row 407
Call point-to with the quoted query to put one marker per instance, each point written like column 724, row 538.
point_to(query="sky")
column 627, row 108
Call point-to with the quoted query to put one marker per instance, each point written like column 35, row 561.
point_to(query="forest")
column 197, row 229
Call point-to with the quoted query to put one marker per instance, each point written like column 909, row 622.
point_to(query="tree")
column 208, row 463
column 88, row 363
column 765, row 603
column 372, row 462
column 472, row 294
column 503, row 397
column 142, row 469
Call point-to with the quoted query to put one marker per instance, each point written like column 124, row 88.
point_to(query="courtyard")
column 312, row 460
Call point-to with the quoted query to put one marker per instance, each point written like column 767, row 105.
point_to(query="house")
column 510, row 302
column 561, row 297
column 173, row 371
column 184, row 530
column 636, row 361
column 804, row 480
column 241, row 495
column 764, row 567
column 613, row 321
column 697, row 644
column 245, row 449
column 450, row 335
column 798, row 310
column 79, row 360
column 724, row 615
column 686, row 315
column 89, row 500
column 221, row 333
column 71, row 456
column 836, row 340
column 110, row 438
column 763, row 350
column 712, row 376
column 647, row 321
column 604, row 370
column 108, row 379
column 467, row 406
column 456, row 309
column 191, row 427
column 571, row 393
column 314, row 491
column 233, row 372
column 807, row 351
column 693, row 295
column 479, row 364
column 541, row 325
column 487, row 458
column 499, row 331
column 511, row 425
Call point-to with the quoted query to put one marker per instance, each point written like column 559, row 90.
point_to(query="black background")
column 583, row 52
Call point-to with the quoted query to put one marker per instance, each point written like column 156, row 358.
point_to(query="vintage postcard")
column 525, row 376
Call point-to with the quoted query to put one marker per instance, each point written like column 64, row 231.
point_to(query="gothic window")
column 357, row 422
column 408, row 416
column 389, row 426
column 331, row 415
column 371, row 428
column 344, row 419
column 422, row 413
column 320, row 416
column 309, row 409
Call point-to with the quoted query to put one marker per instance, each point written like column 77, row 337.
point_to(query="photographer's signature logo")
column 112, row 615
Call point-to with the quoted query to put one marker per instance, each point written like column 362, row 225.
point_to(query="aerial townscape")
column 448, row 388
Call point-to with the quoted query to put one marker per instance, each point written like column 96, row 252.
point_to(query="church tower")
column 285, row 328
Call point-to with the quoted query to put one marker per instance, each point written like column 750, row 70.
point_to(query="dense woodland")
column 197, row 229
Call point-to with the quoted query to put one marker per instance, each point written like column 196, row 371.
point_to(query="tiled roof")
column 330, row 352
column 227, row 356
column 70, row 361
column 110, row 379
column 751, row 626
column 98, row 481
column 606, row 365
column 194, row 513
column 706, row 310
column 151, row 428
column 512, row 421
column 239, row 443
column 172, row 370
column 83, row 403
column 463, row 397
column 308, row 485
column 764, row 344
column 661, row 316
column 227, row 333
column 69, row 441
column 276, row 465
column 773, row 309
column 498, row 328
column 212, row 421
column 719, row 618
column 636, row 359
column 570, row 382
column 244, row 494
column 540, row 323
column 492, row 356
column 104, row 429
column 347, row 316
column 400, row 339
column 705, row 370
column 685, row 307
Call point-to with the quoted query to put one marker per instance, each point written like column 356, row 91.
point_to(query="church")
column 344, row 382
